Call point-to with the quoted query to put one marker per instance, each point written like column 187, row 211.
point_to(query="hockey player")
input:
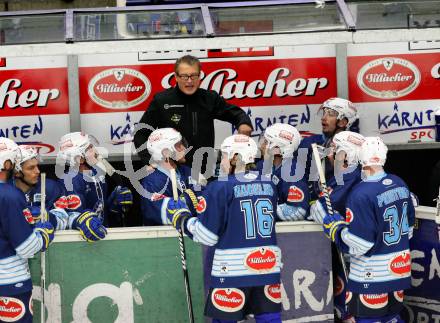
column 167, row 149
column 344, row 157
column 27, row 179
column 375, row 233
column 278, row 147
column 238, row 220
column 337, row 115
column 85, row 181
column 18, row 240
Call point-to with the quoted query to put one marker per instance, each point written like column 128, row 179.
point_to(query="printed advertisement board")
column 281, row 84
column 34, row 103
column 396, row 90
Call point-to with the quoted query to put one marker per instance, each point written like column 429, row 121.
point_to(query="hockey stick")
column 182, row 252
column 327, row 199
column 43, row 254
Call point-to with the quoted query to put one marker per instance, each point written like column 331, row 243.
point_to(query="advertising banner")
column 423, row 300
column 397, row 91
column 285, row 84
column 34, row 103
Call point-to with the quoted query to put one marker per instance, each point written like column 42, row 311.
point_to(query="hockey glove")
column 177, row 213
column 46, row 232
column 121, row 199
column 333, row 224
column 36, row 214
column 90, row 226
column 190, row 198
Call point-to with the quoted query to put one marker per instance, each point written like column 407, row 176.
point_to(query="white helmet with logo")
column 351, row 143
column 8, row 151
column 283, row 136
column 373, row 152
column 74, row 145
column 162, row 142
column 345, row 109
column 27, row 153
column 242, row 145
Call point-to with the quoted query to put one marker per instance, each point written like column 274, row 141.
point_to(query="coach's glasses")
column 185, row 77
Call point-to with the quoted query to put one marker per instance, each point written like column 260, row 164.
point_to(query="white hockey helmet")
column 27, row 153
column 8, row 151
column 283, row 136
column 373, row 152
column 74, row 145
column 162, row 142
column 351, row 143
column 240, row 144
column 343, row 107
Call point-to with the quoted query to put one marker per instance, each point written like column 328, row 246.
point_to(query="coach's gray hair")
column 187, row 59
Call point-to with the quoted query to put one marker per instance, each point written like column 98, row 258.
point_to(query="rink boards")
column 135, row 275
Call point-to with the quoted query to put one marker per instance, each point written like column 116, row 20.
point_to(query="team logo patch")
column 374, row 301
column 61, row 203
column 11, row 309
column 28, row 216
column 176, row 118
column 273, row 292
column 348, row 296
column 262, row 259
column 37, row 197
column 295, row 194
column 339, row 286
column 348, row 215
column 157, row 197
column 400, row 265
column 201, row 204
column 387, row 181
column 228, row 299
column 399, row 295
column 73, row 202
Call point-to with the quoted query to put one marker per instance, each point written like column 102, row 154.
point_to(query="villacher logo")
column 119, row 88
column 388, row 78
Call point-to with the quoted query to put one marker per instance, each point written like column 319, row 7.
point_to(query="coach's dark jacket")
column 192, row 115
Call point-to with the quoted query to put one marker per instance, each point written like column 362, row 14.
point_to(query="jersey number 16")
column 259, row 213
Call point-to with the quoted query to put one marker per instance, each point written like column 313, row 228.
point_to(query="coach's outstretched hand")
column 177, row 212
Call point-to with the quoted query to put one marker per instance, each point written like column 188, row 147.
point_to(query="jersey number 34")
column 397, row 228
column 257, row 214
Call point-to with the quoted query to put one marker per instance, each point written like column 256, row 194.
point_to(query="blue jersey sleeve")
column 15, row 228
column 153, row 207
column 360, row 235
column 210, row 222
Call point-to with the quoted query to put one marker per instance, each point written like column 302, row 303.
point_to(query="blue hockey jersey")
column 56, row 203
column 238, row 218
column 380, row 216
column 18, row 242
column 339, row 191
column 89, row 190
column 159, row 191
column 54, row 190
